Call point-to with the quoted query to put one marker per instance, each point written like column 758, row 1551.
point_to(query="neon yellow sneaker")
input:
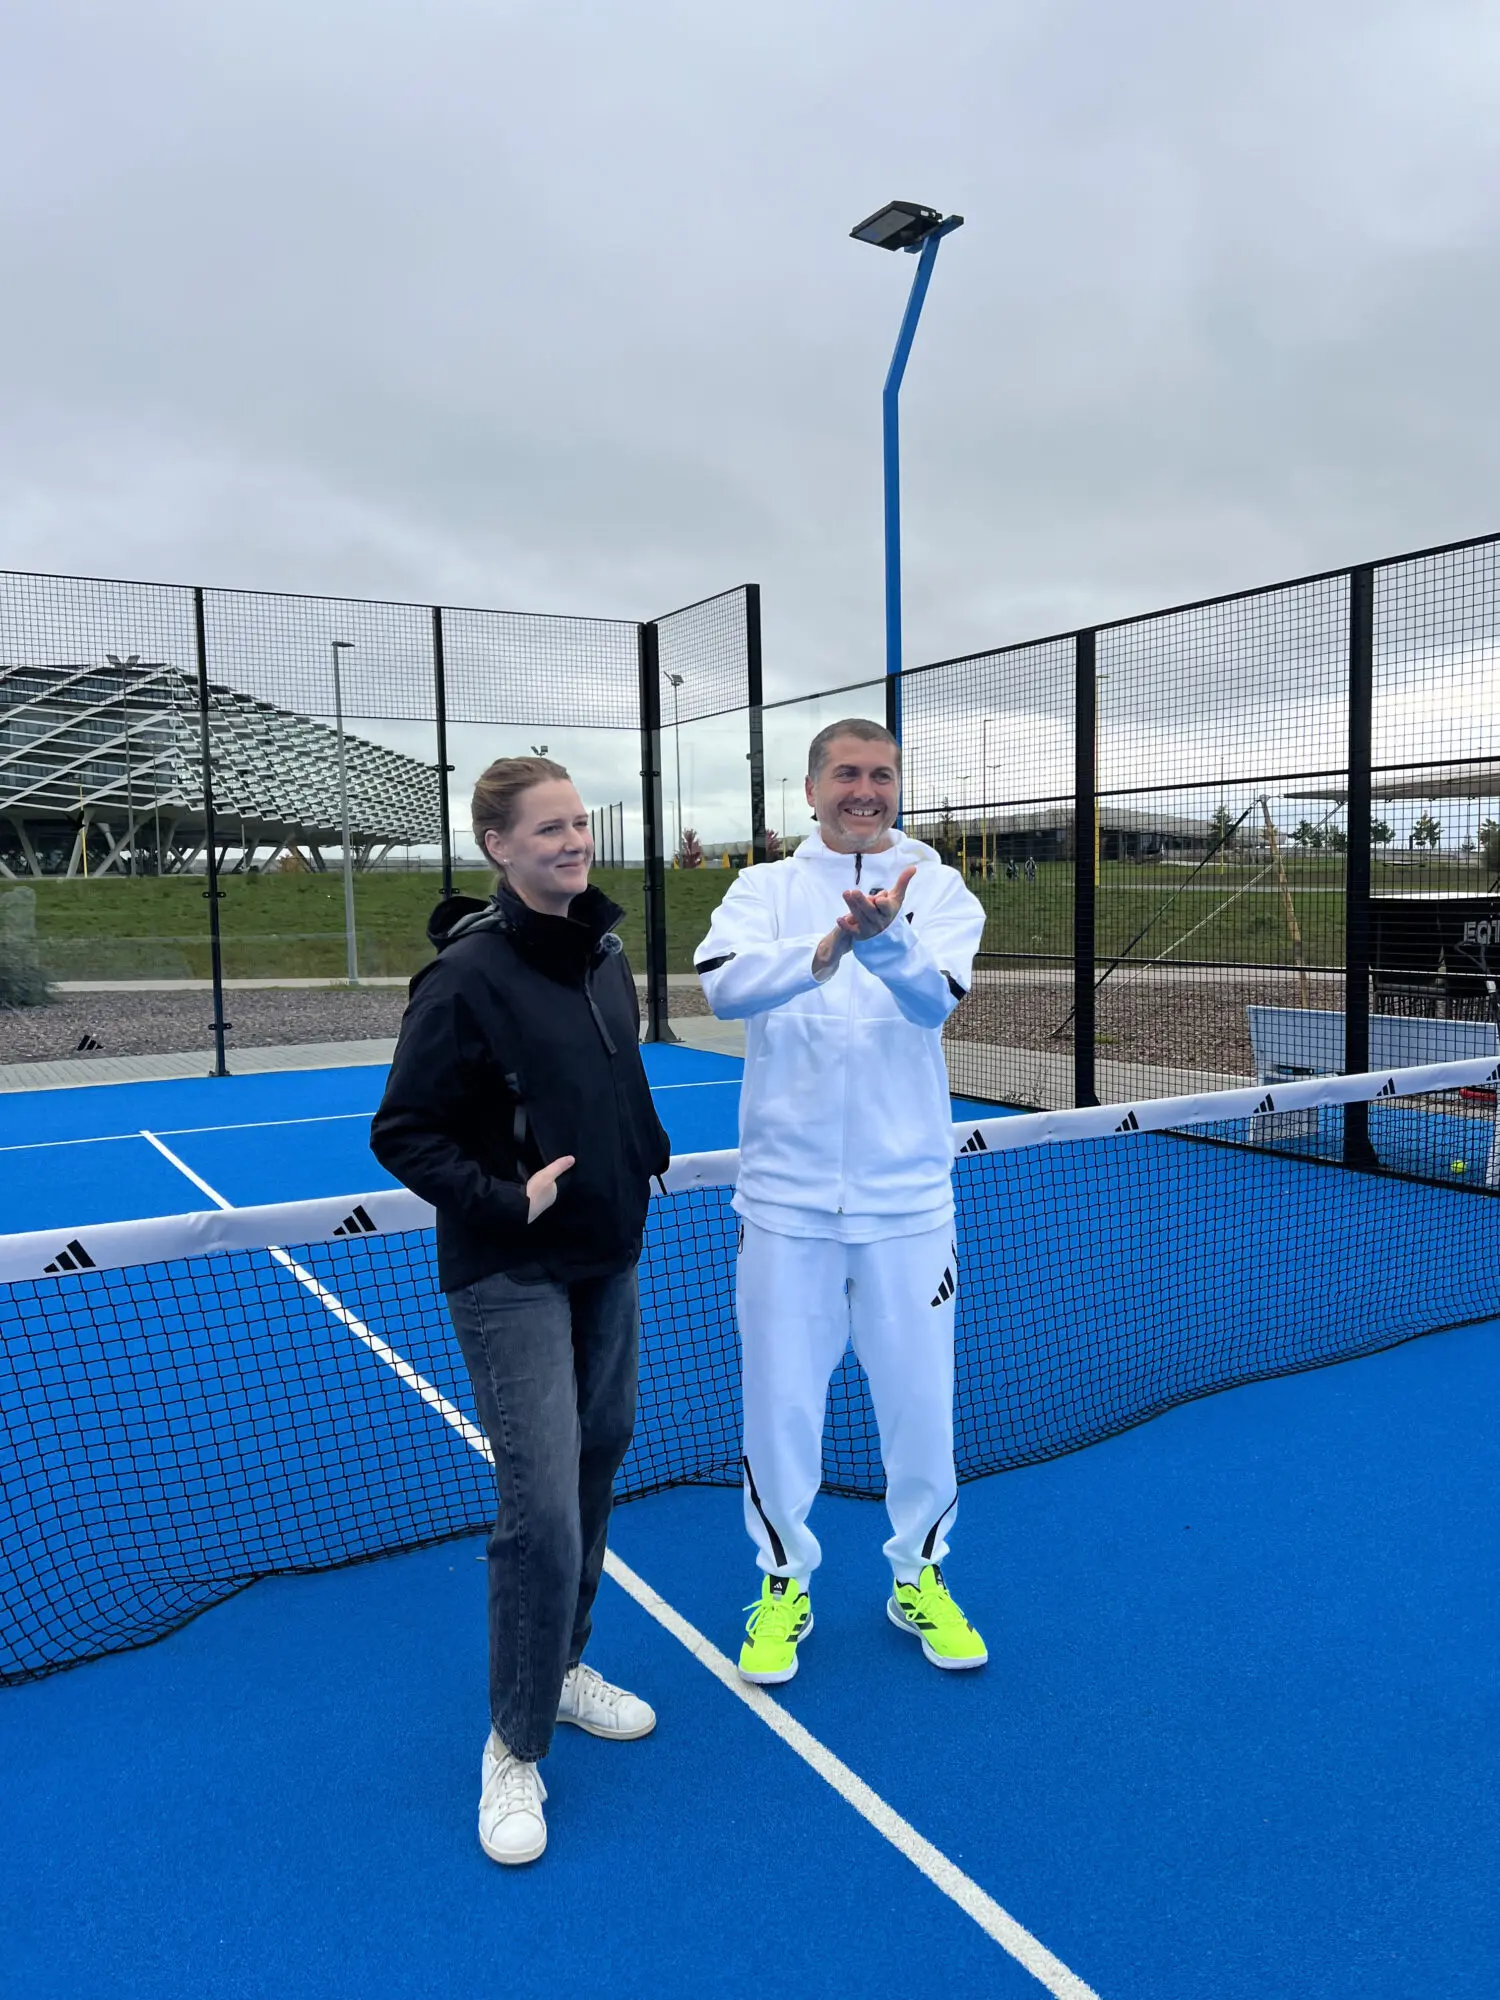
column 779, row 1618
column 926, row 1610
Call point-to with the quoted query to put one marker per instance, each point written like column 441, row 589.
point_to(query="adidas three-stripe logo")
column 974, row 1143
column 946, row 1289
column 74, row 1258
column 358, row 1224
column 1129, row 1123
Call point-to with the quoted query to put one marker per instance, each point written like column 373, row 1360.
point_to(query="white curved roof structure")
column 112, row 754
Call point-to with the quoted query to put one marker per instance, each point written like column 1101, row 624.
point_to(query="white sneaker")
column 588, row 1701
column 511, row 1827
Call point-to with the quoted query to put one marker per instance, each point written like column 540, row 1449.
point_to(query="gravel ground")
column 156, row 1024
column 1188, row 1023
column 1194, row 1023
column 686, row 1001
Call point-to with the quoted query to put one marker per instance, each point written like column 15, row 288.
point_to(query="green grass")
column 292, row 926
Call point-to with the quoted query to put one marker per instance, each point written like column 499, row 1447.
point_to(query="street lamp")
column 123, row 668
column 900, row 225
column 676, row 680
column 350, row 947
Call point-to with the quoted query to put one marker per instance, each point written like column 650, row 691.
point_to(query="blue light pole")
column 900, row 225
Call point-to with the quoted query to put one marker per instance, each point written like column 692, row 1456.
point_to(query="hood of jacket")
column 904, row 851
column 563, row 946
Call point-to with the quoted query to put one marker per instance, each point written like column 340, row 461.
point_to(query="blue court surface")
column 1236, row 1741
column 69, row 1157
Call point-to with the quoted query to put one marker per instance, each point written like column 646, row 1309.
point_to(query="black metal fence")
column 1213, row 842
column 1249, row 837
column 216, row 760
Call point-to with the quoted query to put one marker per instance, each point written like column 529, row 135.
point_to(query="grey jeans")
column 554, row 1374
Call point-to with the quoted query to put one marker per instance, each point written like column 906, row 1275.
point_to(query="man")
column 845, row 960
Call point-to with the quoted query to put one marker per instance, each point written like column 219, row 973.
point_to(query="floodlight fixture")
column 903, row 225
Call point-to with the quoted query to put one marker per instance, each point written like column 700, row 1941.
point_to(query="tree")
column 1426, row 832
column 1489, row 842
column 1335, row 839
column 1225, row 827
column 1307, row 835
column 690, row 853
column 1381, row 831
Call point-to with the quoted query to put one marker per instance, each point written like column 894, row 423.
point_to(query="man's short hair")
column 856, row 726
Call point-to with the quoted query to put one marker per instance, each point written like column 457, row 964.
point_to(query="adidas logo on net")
column 358, row 1223
column 72, row 1258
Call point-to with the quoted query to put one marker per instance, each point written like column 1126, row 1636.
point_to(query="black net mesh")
column 1219, row 888
column 510, row 667
column 1435, row 790
column 989, row 783
column 175, row 1428
column 702, row 652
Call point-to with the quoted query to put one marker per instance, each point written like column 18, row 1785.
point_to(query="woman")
column 518, row 1106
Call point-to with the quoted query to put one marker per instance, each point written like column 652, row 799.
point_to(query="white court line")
column 945, row 1875
column 269, row 1124
column 46, row 1145
column 183, row 1131
column 266, row 1124
column 183, row 1168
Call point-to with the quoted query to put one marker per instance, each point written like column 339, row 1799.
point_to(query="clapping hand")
column 865, row 917
column 868, row 916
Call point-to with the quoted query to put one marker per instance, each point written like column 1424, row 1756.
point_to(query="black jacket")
column 521, row 1042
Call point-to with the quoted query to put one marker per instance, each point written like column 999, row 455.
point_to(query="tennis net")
column 190, row 1403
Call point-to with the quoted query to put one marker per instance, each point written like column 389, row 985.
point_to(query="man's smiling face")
column 856, row 795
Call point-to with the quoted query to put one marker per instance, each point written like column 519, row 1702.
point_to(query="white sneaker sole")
column 902, row 1623
column 786, row 1674
column 512, row 1858
column 608, row 1735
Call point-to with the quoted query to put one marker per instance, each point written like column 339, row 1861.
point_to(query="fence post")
column 1085, row 838
column 1358, row 1152
column 755, row 695
column 440, row 702
column 211, row 834
column 657, row 1008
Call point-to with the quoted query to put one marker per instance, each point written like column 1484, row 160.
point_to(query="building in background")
column 101, row 774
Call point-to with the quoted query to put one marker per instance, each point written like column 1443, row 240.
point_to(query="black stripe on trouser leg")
column 932, row 1532
column 777, row 1549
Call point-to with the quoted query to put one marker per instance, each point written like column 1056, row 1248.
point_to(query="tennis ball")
column 1458, row 1166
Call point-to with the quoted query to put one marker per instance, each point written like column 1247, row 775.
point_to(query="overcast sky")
column 553, row 307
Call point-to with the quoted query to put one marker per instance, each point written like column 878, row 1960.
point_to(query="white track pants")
column 800, row 1300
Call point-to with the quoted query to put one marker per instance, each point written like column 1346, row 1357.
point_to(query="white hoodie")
column 845, row 1121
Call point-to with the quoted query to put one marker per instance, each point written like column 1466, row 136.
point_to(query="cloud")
column 553, row 307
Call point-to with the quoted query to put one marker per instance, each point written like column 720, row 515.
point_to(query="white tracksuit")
column 845, row 1187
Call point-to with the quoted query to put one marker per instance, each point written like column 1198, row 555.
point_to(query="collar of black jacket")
column 560, row 946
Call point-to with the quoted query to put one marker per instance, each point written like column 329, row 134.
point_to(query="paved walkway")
column 1035, row 1076
column 697, row 1032
column 83, row 1070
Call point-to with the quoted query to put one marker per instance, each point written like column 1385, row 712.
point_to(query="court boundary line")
column 267, row 1124
column 946, row 1876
